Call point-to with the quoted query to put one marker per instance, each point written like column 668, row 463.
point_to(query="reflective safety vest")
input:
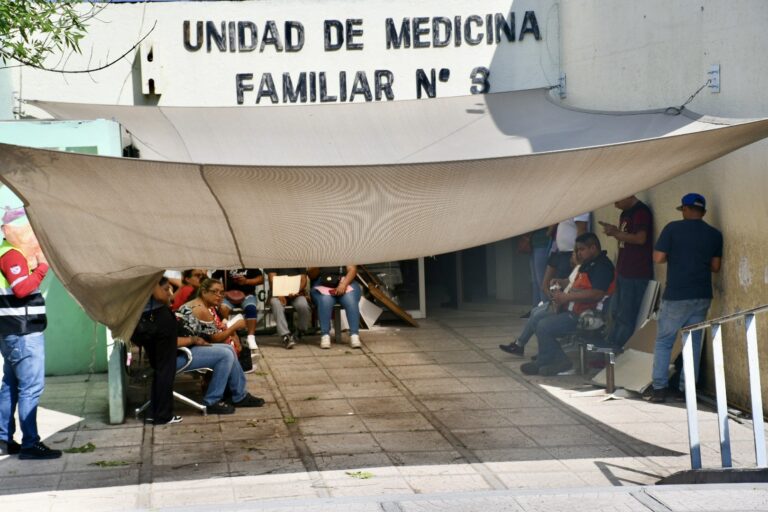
column 19, row 316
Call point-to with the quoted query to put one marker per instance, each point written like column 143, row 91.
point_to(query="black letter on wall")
column 394, row 40
column 339, row 29
column 530, row 26
column 198, row 42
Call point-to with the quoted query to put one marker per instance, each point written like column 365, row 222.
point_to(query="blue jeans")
column 227, row 372
column 626, row 303
column 248, row 305
column 537, row 314
column 547, row 331
column 538, row 264
column 673, row 315
column 23, row 383
column 350, row 301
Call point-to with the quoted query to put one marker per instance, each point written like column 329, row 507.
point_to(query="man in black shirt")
column 692, row 250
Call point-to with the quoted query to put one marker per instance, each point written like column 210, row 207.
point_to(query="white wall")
column 184, row 77
column 653, row 54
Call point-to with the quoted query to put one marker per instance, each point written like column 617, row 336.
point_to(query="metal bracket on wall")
column 714, row 78
column 561, row 86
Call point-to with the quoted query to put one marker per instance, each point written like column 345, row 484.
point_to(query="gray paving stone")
column 462, row 370
column 456, row 402
column 331, row 425
column 471, row 419
column 412, row 441
column 338, row 444
column 427, row 371
column 390, row 422
column 487, row 438
column 336, row 407
column 435, row 386
column 380, row 405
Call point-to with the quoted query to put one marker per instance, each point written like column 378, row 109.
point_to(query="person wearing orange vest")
column 22, row 345
column 596, row 279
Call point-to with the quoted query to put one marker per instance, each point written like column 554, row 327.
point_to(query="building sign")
column 349, row 35
column 288, row 52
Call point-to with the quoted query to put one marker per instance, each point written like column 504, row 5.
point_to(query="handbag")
column 331, row 280
column 234, row 297
column 146, row 330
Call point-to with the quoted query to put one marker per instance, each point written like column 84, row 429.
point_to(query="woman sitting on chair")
column 332, row 285
column 190, row 282
column 218, row 357
column 201, row 316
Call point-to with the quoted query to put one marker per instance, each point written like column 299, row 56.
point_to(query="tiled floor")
column 433, row 409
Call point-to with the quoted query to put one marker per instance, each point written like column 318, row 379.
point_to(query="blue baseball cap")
column 693, row 199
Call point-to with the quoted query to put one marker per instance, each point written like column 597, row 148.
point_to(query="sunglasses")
column 220, row 293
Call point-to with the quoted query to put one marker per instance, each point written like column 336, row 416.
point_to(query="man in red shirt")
column 634, row 265
column 22, row 345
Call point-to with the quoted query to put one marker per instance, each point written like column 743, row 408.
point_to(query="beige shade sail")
column 328, row 185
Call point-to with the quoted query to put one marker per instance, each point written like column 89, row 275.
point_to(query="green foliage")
column 86, row 448
column 110, row 463
column 360, row 475
column 31, row 30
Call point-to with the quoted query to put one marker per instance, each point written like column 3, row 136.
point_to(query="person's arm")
column 313, row 272
column 578, row 295
column 14, row 267
column 714, row 264
column 637, row 238
column 546, row 281
column 659, row 257
column 190, row 341
column 347, row 280
column 249, row 281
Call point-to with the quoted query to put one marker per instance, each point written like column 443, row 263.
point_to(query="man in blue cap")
column 692, row 250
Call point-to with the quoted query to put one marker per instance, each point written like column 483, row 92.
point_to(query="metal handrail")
column 720, row 392
column 725, row 318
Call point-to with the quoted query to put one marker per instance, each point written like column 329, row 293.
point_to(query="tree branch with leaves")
column 33, row 30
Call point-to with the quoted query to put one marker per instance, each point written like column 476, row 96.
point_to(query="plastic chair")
column 178, row 396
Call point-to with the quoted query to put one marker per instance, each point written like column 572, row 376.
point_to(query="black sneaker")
column 288, row 341
column 658, row 396
column 298, row 336
column 220, row 408
column 513, row 348
column 550, row 370
column 531, row 368
column 9, row 448
column 250, row 401
column 39, row 451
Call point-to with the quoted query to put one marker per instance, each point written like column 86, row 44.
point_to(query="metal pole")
column 690, row 401
column 720, row 393
column 754, row 391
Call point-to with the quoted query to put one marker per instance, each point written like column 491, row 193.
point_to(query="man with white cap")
column 22, row 345
column 692, row 250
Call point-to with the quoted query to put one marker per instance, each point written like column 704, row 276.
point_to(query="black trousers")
column 161, row 351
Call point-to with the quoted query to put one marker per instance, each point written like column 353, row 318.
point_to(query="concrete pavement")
column 415, row 415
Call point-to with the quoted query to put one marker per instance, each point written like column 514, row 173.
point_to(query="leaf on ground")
column 109, row 463
column 86, row 448
column 361, row 475
column 310, row 398
column 288, row 420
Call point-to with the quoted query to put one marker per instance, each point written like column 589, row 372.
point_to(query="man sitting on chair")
column 596, row 278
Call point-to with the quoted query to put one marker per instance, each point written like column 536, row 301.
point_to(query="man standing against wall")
column 22, row 321
column 692, row 250
column 634, row 265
